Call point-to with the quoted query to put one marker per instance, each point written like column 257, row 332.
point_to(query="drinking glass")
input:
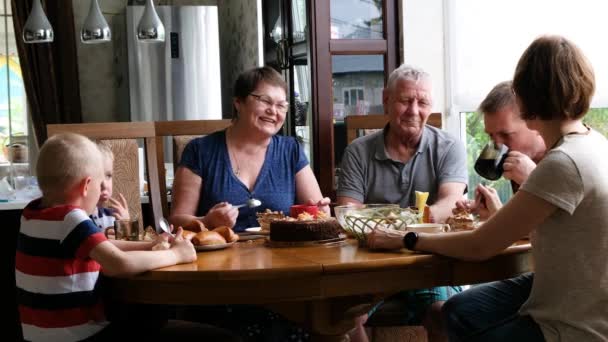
column 126, row 230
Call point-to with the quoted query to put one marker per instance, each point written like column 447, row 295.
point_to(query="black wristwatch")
column 409, row 240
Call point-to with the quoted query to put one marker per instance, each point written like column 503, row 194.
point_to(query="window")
column 13, row 102
column 352, row 96
column 485, row 41
column 358, row 81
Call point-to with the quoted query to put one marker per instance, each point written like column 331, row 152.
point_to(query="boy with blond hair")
column 116, row 209
column 60, row 251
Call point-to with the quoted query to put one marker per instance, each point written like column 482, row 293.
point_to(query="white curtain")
column 487, row 37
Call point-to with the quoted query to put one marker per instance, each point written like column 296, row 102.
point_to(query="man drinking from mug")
column 504, row 125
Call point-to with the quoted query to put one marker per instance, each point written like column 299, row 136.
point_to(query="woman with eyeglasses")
column 246, row 161
column 563, row 205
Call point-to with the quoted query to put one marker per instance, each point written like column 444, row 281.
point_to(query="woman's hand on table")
column 222, row 214
column 183, row 248
column 385, row 239
column 323, row 204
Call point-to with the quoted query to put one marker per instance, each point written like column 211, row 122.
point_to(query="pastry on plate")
column 462, row 219
column 208, row 238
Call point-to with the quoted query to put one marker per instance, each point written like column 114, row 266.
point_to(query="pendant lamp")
column 95, row 28
column 37, row 28
column 150, row 28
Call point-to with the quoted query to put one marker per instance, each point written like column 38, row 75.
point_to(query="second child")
column 117, row 209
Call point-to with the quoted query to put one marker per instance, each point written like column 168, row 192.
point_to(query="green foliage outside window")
column 597, row 118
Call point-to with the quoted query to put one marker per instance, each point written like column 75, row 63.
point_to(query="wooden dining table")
column 322, row 287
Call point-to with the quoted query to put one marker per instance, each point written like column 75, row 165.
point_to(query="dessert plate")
column 213, row 247
column 245, row 236
column 256, row 231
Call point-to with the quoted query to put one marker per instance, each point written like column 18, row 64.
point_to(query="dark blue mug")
column 490, row 162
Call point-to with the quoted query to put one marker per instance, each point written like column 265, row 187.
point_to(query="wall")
column 103, row 80
column 103, row 68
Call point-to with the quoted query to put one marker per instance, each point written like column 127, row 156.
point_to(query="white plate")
column 213, row 247
column 251, row 236
column 253, row 229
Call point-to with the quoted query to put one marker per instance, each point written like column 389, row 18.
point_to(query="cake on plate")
column 305, row 228
column 267, row 216
column 461, row 220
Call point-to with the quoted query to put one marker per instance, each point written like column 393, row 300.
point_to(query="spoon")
column 251, row 203
column 164, row 225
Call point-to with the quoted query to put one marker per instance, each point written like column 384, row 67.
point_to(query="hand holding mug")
column 517, row 167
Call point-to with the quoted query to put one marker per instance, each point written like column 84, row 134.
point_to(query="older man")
column 407, row 156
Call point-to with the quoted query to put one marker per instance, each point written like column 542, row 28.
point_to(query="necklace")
column 236, row 168
column 236, row 171
column 570, row 133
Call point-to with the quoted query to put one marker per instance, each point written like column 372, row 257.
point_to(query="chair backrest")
column 357, row 123
column 181, row 133
column 122, row 138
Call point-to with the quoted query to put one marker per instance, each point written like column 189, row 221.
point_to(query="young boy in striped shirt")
column 60, row 251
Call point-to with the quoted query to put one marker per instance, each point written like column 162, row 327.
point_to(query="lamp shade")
column 95, row 28
column 150, row 28
column 37, row 28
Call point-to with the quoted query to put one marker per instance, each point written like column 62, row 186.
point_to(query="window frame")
column 6, row 16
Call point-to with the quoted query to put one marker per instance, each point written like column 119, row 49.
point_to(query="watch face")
column 410, row 239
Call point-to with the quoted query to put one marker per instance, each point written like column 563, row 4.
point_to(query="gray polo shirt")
column 369, row 175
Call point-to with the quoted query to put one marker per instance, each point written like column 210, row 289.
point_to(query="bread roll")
column 195, row 226
column 208, row 238
column 226, row 233
column 187, row 234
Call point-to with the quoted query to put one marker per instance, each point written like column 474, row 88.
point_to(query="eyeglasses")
column 282, row 107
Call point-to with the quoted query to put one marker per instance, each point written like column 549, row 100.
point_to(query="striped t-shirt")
column 57, row 291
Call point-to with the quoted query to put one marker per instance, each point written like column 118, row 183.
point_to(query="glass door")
column 286, row 49
column 354, row 47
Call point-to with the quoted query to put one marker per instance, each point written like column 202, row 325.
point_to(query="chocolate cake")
column 292, row 230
